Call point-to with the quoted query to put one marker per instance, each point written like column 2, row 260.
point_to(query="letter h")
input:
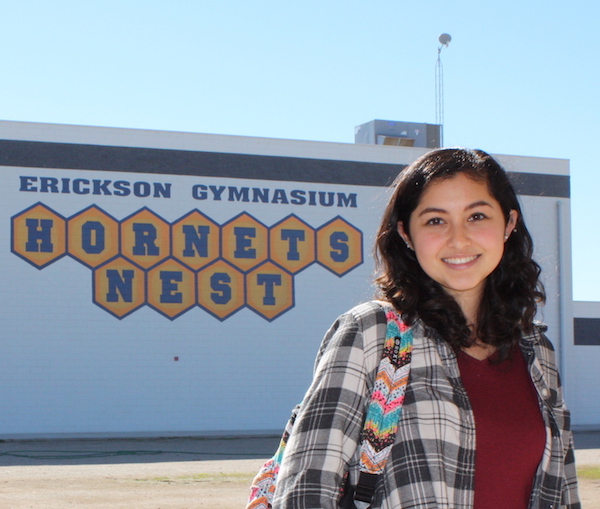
column 39, row 235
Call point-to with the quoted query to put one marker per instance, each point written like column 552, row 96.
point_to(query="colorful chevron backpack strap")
column 385, row 406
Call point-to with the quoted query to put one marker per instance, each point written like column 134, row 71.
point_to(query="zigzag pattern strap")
column 385, row 407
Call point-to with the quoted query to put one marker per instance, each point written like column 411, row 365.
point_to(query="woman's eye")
column 434, row 221
column 478, row 216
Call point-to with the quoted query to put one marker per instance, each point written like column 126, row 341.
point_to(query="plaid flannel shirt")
column 432, row 463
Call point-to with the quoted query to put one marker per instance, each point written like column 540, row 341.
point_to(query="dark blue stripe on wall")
column 587, row 331
column 534, row 184
column 32, row 154
column 185, row 162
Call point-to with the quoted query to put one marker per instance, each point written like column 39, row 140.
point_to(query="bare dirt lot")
column 158, row 473
column 145, row 486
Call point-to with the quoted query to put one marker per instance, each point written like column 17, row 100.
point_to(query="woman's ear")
column 513, row 216
column 404, row 235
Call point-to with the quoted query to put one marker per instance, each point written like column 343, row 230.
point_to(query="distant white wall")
column 583, row 384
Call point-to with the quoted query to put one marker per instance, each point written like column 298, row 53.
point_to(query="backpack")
column 379, row 429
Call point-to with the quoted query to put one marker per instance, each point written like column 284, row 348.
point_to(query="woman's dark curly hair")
column 512, row 291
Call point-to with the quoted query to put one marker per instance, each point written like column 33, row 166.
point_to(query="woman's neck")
column 480, row 351
column 469, row 305
column 469, row 301
column 469, row 308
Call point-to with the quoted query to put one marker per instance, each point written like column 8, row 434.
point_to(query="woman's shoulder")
column 368, row 309
column 538, row 337
column 358, row 331
column 370, row 314
column 361, row 318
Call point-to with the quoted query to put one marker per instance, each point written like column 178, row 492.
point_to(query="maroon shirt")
column 510, row 431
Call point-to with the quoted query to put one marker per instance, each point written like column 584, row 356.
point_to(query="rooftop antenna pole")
column 439, row 86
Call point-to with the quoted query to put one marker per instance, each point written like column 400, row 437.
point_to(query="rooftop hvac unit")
column 399, row 134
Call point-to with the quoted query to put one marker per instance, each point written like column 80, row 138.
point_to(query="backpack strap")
column 265, row 481
column 385, row 406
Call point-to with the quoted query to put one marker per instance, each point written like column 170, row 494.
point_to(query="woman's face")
column 458, row 233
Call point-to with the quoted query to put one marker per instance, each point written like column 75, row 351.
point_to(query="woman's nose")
column 459, row 236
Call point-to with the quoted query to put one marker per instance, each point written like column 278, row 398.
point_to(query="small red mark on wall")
column 175, row 359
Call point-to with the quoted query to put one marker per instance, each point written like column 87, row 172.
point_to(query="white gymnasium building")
column 161, row 283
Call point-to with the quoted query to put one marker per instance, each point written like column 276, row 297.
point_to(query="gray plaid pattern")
column 433, row 461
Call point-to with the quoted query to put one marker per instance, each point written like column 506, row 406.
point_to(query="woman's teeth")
column 460, row 261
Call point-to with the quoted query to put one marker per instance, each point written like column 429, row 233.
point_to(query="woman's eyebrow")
column 480, row 203
column 436, row 210
column 432, row 210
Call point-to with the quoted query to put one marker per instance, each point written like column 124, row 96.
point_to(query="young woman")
column 483, row 422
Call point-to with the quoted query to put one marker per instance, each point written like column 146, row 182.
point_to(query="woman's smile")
column 460, row 261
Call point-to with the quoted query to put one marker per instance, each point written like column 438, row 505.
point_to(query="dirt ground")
column 153, row 474
column 156, row 486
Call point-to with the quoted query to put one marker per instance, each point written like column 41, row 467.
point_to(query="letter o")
column 142, row 189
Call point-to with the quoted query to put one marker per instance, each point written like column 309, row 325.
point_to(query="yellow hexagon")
column 270, row 291
column 171, row 288
column 245, row 242
column 339, row 246
column 221, row 289
column 292, row 244
column 145, row 238
column 119, row 287
column 93, row 236
column 196, row 240
column 39, row 235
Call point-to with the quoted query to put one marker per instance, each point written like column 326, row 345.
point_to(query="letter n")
column 119, row 284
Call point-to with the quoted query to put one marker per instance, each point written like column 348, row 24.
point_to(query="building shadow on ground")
column 143, row 450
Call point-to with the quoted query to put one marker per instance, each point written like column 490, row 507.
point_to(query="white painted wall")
column 583, row 384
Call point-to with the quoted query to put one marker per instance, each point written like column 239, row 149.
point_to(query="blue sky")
column 519, row 77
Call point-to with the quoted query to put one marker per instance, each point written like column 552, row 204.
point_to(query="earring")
column 409, row 246
column 505, row 237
